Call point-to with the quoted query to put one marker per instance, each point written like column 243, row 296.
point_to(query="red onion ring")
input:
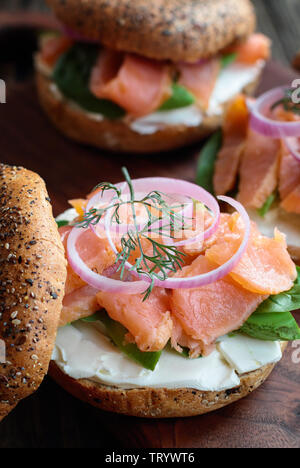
column 203, row 279
column 293, row 144
column 95, row 280
column 267, row 126
column 168, row 186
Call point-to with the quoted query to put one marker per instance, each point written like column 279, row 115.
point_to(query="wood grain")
column 51, row 418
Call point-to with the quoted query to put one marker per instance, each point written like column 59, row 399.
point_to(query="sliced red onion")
column 260, row 123
column 100, row 282
column 203, row 279
column 293, row 147
column 169, row 187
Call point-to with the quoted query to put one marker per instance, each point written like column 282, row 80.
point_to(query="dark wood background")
column 270, row 417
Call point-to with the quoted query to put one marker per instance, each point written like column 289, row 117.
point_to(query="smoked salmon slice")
column 208, row 312
column 148, row 322
column 266, row 266
column 53, row 48
column 292, row 202
column 78, row 304
column 257, row 47
column 200, row 79
column 234, row 135
column 259, row 169
column 289, row 173
column 137, row 84
column 95, row 252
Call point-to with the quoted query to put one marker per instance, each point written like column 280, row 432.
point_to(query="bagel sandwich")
column 122, row 352
column 174, row 352
column 146, row 77
column 32, row 279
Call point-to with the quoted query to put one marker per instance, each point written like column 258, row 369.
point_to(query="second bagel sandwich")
column 145, row 77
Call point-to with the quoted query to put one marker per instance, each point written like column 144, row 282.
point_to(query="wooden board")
column 269, row 417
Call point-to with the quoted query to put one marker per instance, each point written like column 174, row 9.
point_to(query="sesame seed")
column 16, row 322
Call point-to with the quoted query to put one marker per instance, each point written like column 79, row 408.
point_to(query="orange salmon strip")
column 137, row 84
column 259, row 169
column 211, row 311
column 53, row 48
column 200, row 79
column 257, row 47
column 234, row 135
column 149, row 322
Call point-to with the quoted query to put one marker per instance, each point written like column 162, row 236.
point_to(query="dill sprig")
column 287, row 102
column 160, row 259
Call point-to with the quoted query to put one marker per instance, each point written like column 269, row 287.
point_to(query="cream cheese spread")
column 83, row 351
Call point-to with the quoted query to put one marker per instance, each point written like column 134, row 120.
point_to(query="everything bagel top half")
column 32, row 279
column 147, row 76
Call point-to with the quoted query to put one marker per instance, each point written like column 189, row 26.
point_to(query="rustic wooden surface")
column 270, row 417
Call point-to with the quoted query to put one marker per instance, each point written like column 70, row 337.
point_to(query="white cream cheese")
column 190, row 116
column 68, row 215
column 231, row 81
column 247, row 354
column 83, row 351
column 288, row 223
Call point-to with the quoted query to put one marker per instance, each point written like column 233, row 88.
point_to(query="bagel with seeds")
column 177, row 30
column 32, row 280
column 145, row 77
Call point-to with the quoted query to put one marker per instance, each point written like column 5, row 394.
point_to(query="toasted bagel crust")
column 32, row 279
column 158, row 402
column 165, row 29
column 116, row 135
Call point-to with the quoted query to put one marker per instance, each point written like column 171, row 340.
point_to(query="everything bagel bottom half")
column 158, row 402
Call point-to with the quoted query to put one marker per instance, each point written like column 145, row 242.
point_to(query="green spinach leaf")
column 117, row 332
column 181, row 97
column 268, row 204
column 206, row 161
column 279, row 326
column 71, row 75
column 62, row 223
column 228, row 59
column 283, row 302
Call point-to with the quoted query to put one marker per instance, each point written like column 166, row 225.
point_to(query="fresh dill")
column 155, row 260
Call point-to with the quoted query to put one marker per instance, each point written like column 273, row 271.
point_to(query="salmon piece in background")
column 289, row 173
column 259, row 169
column 200, row 79
column 234, row 135
column 137, row 84
column 292, row 202
column 256, row 47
